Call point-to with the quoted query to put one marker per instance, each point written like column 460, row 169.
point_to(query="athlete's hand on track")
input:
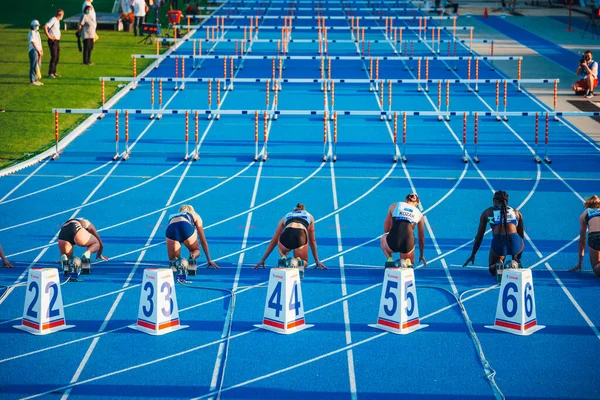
column 319, row 265
column 576, row 268
column 423, row 260
column 470, row 260
column 261, row 263
column 212, row 264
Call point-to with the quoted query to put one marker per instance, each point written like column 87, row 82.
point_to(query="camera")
column 582, row 61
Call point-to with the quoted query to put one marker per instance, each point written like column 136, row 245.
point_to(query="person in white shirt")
column 35, row 52
column 139, row 12
column 92, row 10
column 399, row 225
column 52, row 29
column 87, row 27
column 588, row 69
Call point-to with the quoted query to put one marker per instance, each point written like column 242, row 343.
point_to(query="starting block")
column 508, row 264
column 158, row 313
column 284, row 309
column 72, row 268
column 515, row 312
column 293, row 263
column 43, row 312
column 180, row 266
column 398, row 307
column 406, row 263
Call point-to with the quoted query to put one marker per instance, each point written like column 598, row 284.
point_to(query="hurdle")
column 56, row 135
column 127, row 153
column 187, row 136
column 116, row 135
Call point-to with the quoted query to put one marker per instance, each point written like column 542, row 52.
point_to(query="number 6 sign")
column 398, row 308
column 43, row 312
column 515, row 312
column 158, row 313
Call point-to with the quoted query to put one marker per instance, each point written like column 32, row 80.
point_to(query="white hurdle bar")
column 316, row 28
column 342, row 58
column 384, row 41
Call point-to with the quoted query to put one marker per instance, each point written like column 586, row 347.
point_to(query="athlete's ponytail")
column 501, row 197
column 299, row 207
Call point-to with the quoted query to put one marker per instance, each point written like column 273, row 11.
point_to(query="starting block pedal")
column 284, row 309
column 398, row 307
column 86, row 266
column 515, row 312
column 406, row 263
column 43, row 312
column 192, row 266
column 158, row 313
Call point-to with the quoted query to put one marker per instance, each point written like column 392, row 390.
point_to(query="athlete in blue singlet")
column 399, row 226
column 507, row 232
column 294, row 232
column 589, row 222
column 182, row 229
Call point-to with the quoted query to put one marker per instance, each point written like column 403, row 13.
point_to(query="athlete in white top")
column 589, row 222
column 294, row 232
column 399, row 225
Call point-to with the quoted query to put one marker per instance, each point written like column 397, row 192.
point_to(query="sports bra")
column 300, row 216
column 592, row 213
column 189, row 217
column 511, row 217
column 406, row 212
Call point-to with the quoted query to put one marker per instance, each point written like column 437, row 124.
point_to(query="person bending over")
column 80, row 232
column 590, row 221
column 294, row 232
column 182, row 228
column 399, row 226
column 507, row 233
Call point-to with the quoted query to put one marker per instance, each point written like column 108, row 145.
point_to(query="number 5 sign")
column 398, row 308
column 158, row 313
column 515, row 312
column 284, row 309
column 43, row 312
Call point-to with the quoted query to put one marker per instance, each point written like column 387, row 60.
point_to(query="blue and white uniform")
column 401, row 238
column 182, row 226
column 294, row 237
column 503, row 243
column 593, row 237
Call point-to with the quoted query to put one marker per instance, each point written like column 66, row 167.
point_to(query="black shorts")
column 401, row 240
column 68, row 232
column 594, row 240
column 293, row 238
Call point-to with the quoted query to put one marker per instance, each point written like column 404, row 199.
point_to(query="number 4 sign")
column 284, row 310
column 515, row 312
column 43, row 312
column 398, row 308
column 158, row 313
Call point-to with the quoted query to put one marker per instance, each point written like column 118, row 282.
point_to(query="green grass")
column 27, row 126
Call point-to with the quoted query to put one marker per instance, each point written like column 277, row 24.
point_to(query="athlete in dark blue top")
column 507, row 232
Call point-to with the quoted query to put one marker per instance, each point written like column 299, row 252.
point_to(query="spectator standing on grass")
column 139, row 12
column 87, row 3
column 52, row 29
column 35, row 52
column 87, row 27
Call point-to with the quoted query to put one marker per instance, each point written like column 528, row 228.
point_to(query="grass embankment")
column 27, row 126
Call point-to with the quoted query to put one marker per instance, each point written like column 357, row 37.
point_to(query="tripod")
column 592, row 22
column 147, row 39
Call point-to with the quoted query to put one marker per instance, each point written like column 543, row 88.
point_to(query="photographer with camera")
column 588, row 69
